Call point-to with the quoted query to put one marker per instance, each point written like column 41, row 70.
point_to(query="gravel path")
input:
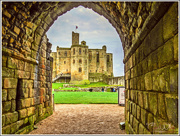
column 83, row 119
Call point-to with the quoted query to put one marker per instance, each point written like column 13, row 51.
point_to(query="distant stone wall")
column 116, row 81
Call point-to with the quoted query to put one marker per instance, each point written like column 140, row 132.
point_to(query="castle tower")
column 79, row 59
column 75, row 38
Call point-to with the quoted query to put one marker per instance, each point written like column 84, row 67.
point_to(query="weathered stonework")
column 149, row 35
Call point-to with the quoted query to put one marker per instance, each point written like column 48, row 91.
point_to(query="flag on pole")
column 76, row 27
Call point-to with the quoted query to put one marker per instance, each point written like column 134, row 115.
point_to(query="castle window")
column 74, row 51
column 107, row 58
column 80, row 69
column 79, row 51
column 59, row 53
column 73, row 61
column 80, row 61
column 90, row 56
column 65, row 53
column 97, row 56
column 85, row 51
column 64, row 62
column 66, row 70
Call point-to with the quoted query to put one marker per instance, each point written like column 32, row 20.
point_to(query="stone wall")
column 116, row 81
column 151, row 79
column 26, row 90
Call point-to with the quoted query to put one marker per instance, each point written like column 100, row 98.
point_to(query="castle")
column 81, row 63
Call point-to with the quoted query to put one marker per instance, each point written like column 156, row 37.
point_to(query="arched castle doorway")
column 149, row 35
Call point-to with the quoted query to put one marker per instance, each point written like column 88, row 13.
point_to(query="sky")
column 92, row 28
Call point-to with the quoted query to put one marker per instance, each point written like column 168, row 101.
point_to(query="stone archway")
column 149, row 34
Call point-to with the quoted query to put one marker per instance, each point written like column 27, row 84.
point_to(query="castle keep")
column 81, row 63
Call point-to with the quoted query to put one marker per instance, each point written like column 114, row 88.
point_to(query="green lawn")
column 85, row 97
column 57, row 85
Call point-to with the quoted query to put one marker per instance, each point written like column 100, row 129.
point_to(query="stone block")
column 131, row 84
column 134, row 83
column 146, row 100
column 6, row 106
column 32, row 102
column 31, row 111
column 11, row 117
column 19, row 124
column 16, row 30
column 170, row 22
column 142, row 83
column 31, row 92
column 146, row 131
column 4, row 61
column 4, row 94
column 138, row 83
column 156, row 35
column 21, row 104
column 31, row 121
column 6, row 130
column 134, row 110
column 23, row 92
column 148, row 81
column 10, row 83
column 147, row 44
column 13, row 105
column 143, row 116
column 141, row 128
column 3, row 120
column 13, row 128
column 42, row 91
column 165, row 53
column 162, row 106
column 22, row 113
column 154, row 60
column 135, row 125
column 140, row 99
column 27, row 102
column 150, row 122
column 174, row 79
column 145, row 66
column 153, row 102
column 11, row 94
column 131, row 120
column 26, row 120
column 161, row 80
column 138, row 112
column 21, row 65
column 172, row 110
column 6, row 72
column 28, row 67
column 33, row 54
column 12, row 63
column 176, row 47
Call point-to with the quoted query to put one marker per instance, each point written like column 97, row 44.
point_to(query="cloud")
column 93, row 28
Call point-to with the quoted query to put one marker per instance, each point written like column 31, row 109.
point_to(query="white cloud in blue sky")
column 93, row 28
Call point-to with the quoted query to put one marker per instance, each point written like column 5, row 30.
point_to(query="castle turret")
column 79, row 59
column 104, row 47
column 75, row 38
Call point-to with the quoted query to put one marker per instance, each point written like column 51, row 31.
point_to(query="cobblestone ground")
column 83, row 119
